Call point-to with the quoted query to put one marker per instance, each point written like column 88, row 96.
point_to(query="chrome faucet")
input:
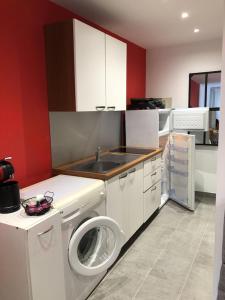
column 97, row 153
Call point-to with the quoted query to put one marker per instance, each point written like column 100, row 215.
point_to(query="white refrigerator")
column 145, row 129
column 178, row 168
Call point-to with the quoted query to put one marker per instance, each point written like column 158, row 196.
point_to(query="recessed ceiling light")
column 196, row 30
column 184, row 15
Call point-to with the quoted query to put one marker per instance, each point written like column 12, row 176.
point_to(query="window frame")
column 205, row 102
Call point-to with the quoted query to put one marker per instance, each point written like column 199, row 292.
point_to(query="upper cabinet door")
column 86, row 69
column 89, row 53
column 116, row 65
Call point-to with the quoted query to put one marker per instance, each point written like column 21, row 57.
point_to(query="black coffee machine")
column 9, row 189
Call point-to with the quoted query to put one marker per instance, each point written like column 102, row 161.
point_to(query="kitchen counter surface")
column 130, row 161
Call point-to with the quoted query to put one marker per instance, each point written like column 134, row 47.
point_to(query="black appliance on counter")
column 146, row 103
column 9, row 189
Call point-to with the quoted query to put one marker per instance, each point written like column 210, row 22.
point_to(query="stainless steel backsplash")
column 75, row 135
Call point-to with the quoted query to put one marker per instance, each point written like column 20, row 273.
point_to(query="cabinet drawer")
column 151, row 179
column 152, row 164
column 152, row 200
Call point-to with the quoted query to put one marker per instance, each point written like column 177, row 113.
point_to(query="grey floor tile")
column 200, row 279
column 165, row 279
column 199, row 282
column 170, row 215
column 126, row 277
column 171, row 260
column 206, row 208
column 155, row 236
column 192, row 222
column 184, row 244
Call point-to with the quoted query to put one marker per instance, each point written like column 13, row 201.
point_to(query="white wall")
column 168, row 76
column 220, row 193
column 168, row 69
column 205, row 169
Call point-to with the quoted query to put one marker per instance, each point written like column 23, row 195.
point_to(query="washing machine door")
column 95, row 245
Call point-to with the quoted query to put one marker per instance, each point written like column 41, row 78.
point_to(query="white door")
column 116, row 75
column 95, row 246
column 46, row 259
column 181, row 169
column 89, row 47
column 134, row 194
column 116, row 203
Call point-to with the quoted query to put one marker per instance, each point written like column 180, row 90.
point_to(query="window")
column 204, row 91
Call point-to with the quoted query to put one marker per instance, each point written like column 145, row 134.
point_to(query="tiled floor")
column 171, row 260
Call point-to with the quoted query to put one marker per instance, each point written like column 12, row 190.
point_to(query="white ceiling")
column 154, row 23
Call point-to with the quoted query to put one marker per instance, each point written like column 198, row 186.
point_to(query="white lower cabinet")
column 45, row 259
column 116, row 202
column 152, row 200
column 32, row 259
column 133, row 197
column 151, row 179
column 152, row 186
column 152, row 164
column 125, row 199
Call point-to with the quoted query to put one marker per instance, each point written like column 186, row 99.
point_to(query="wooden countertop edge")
column 103, row 176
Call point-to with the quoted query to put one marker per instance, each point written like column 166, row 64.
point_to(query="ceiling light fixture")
column 184, row 15
column 196, row 30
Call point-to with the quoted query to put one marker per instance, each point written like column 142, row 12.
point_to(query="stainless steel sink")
column 107, row 162
column 96, row 166
column 133, row 150
column 121, row 158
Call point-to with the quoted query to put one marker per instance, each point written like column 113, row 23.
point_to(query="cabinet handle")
column 75, row 214
column 100, row 108
column 123, row 176
column 154, row 174
column 132, row 170
column 46, row 231
column 111, row 107
column 153, row 159
column 152, row 190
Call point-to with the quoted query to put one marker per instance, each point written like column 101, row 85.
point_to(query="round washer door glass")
column 95, row 245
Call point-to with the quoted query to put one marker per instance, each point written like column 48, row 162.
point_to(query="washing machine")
column 91, row 242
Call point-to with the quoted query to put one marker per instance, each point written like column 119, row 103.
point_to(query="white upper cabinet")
column 116, row 74
column 86, row 69
column 89, row 53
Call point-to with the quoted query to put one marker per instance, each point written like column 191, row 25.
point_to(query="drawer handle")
column 154, row 158
column 154, row 174
column 152, row 190
column 46, row 231
column 123, row 176
column 100, row 108
column 111, row 107
column 75, row 214
column 132, row 170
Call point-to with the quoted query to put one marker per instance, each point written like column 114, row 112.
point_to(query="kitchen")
column 24, row 94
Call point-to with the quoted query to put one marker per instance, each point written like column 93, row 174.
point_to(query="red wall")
column 24, row 117
column 194, row 94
